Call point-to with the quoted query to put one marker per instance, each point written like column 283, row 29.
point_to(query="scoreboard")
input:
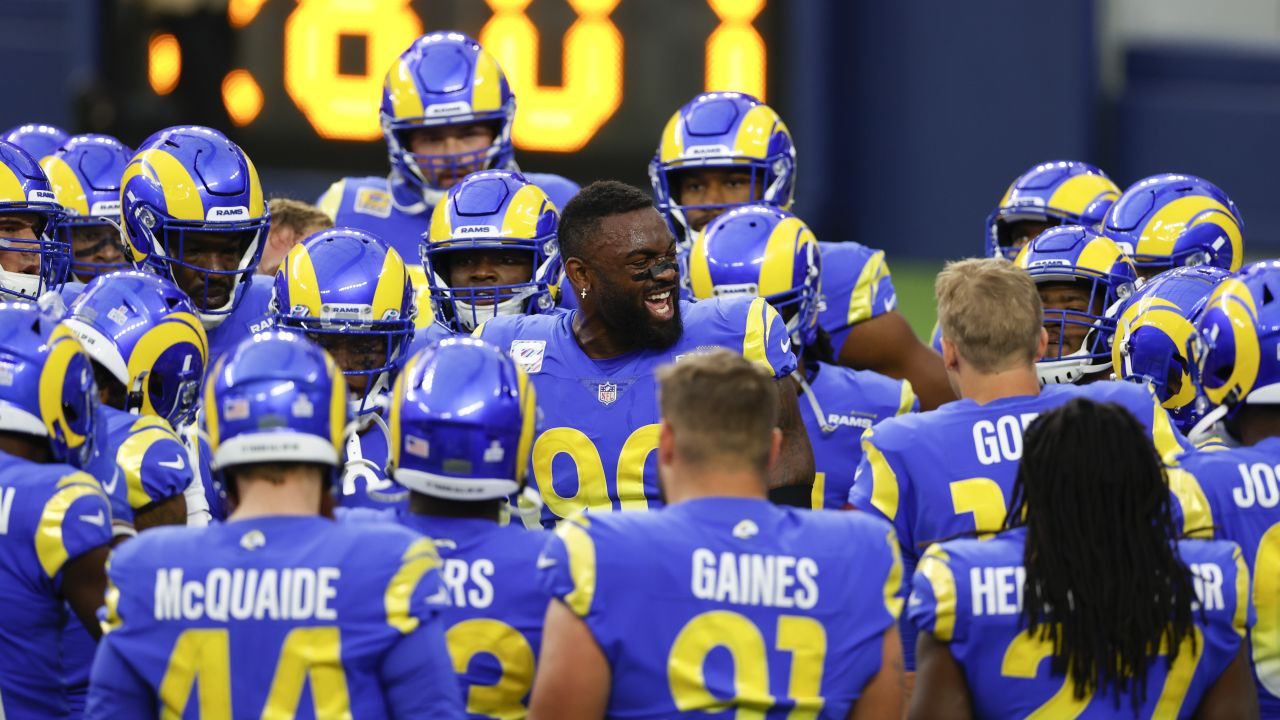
column 298, row 82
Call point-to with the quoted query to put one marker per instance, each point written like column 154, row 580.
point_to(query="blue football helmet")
column 349, row 291
column 40, row 140
column 85, row 175
column 143, row 332
column 723, row 130
column 1060, row 192
column 462, row 421
column 277, row 397
column 1101, row 274
column 1235, row 351
column 498, row 210
column 46, row 383
column 190, row 184
column 762, row 251
column 445, row 78
column 32, row 260
column 1153, row 327
column 1172, row 220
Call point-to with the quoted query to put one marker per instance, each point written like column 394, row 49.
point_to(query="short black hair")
column 581, row 217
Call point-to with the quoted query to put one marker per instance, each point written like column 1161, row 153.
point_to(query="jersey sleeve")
column 1192, row 510
column 933, row 605
column 567, row 567
column 415, row 594
column 857, row 285
column 75, row 520
column 879, row 485
column 907, row 400
column 765, row 340
column 154, row 462
column 331, row 200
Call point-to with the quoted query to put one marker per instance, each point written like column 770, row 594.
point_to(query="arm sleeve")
column 932, row 606
column 155, row 464
column 115, row 689
column 766, row 341
column 417, row 675
column 75, row 520
column 879, row 486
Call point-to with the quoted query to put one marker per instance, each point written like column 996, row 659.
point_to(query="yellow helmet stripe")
column 181, row 198
column 441, row 229
column 393, row 414
column 1236, row 290
column 10, row 186
column 210, row 407
column 757, row 126
column 672, row 145
column 1248, row 355
column 1162, row 230
column 304, row 286
column 486, row 88
column 405, row 100
column 699, row 270
column 779, row 263
column 523, row 211
column 1078, row 192
column 66, row 186
column 257, row 208
column 388, row 294
column 529, row 418
column 53, row 377
column 154, row 343
column 337, row 404
column 1100, row 255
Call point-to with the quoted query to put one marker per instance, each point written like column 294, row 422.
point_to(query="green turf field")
column 914, row 283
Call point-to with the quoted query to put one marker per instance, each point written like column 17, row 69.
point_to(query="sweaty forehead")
column 642, row 229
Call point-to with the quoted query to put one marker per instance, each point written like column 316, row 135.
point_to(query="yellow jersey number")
column 505, row 698
column 202, row 658
column 593, row 485
column 804, row 638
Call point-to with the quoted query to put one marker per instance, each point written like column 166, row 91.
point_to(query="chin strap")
column 1209, row 426
column 198, row 513
column 813, row 403
column 527, row 507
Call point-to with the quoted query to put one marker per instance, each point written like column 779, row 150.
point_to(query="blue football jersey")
column 849, row 401
column 427, row 335
column 731, row 602
column 365, row 482
column 249, row 317
column 283, row 616
column 49, row 515
column 494, row 627
column 856, row 286
column 398, row 215
column 1241, row 489
column 968, row 593
column 599, row 429
column 938, row 474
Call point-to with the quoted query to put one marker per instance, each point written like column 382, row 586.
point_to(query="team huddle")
column 464, row 441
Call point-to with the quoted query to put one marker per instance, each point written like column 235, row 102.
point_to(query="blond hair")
column 990, row 310
column 721, row 408
column 302, row 218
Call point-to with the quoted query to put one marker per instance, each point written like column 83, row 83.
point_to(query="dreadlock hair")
column 1104, row 582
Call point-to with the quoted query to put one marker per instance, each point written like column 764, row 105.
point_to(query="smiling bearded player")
column 594, row 366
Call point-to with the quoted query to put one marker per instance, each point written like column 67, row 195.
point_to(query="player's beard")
column 633, row 323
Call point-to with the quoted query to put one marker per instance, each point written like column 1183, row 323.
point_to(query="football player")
column 465, row 418
column 55, row 521
column 292, row 221
column 446, row 112
column 948, row 471
column 491, row 251
column 270, row 613
column 1084, row 605
column 39, row 140
column 85, row 176
column 760, row 250
column 723, row 600
column 593, row 366
column 1079, row 275
column 1153, row 326
column 1171, row 220
column 148, row 351
column 32, row 260
column 350, row 292
column 727, row 149
column 1058, row 192
column 1236, row 367
column 194, row 213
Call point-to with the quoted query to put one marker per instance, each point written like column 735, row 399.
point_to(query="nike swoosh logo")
column 786, row 345
column 100, row 519
column 545, row 562
column 176, row 464
column 110, row 487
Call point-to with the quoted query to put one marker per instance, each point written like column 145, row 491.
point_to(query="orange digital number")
column 735, row 50
column 343, row 107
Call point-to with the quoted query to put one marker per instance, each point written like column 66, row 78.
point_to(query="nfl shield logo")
column 607, row 393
